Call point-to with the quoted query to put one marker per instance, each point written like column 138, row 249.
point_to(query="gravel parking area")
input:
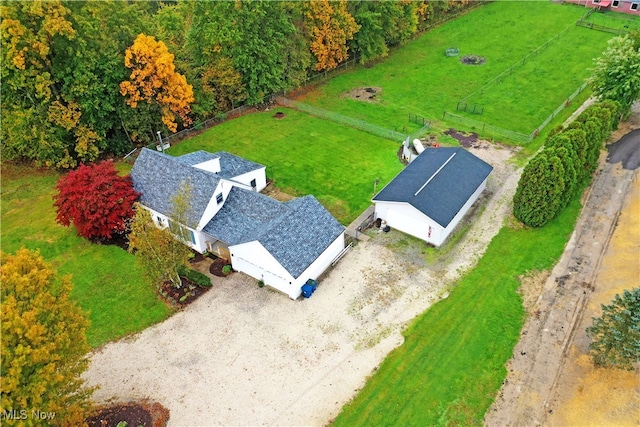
column 244, row 355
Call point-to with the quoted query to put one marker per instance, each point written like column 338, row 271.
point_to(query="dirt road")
column 526, row 397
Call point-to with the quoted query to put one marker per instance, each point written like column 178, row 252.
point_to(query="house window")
column 615, row 3
column 182, row 232
column 160, row 221
column 634, row 6
column 596, row 1
column 219, row 198
column 253, row 183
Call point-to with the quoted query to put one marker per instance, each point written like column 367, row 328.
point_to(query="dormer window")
column 219, row 198
column 253, row 184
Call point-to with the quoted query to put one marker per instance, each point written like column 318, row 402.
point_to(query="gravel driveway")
column 244, row 355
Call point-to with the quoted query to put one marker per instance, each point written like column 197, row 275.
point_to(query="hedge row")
column 565, row 166
column 194, row 276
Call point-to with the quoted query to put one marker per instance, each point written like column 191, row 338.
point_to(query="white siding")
column 212, row 165
column 463, row 211
column 406, row 218
column 259, row 175
column 322, row 262
column 224, row 187
column 253, row 259
column 162, row 221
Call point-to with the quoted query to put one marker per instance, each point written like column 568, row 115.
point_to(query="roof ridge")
column 435, row 173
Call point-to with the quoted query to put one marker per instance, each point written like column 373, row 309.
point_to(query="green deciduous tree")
column 44, row 345
column 616, row 334
column 32, row 127
column 616, row 75
column 161, row 250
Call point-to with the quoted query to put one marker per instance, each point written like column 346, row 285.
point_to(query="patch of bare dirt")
column 367, row 94
column 531, row 285
column 247, row 355
column 547, row 357
column 473, row 60
column 276, row 193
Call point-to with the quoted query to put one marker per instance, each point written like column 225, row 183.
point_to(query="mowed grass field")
column 307, row 155
column 452, row 361
column 106, row 283
column 420, row 79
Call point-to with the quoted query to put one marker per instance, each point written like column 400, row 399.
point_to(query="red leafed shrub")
column 96, row 200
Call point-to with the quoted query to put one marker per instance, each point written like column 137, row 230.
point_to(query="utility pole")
column 161, row 143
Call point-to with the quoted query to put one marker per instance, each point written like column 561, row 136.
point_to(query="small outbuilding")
column 433, row 193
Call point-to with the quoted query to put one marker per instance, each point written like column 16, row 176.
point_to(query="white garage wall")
column 406, row 218
column 322, row 262
column 253, row 259
column 463, row 211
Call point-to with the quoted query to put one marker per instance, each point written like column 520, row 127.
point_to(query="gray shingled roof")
column 243, row 215
column 231, row 165
column 159, row 177
column 447, row 191
column 295, row 232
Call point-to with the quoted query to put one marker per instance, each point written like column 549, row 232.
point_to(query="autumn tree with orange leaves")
column 154, row 79
column 330, row 26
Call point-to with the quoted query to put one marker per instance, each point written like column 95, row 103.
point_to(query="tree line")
column 86, row 79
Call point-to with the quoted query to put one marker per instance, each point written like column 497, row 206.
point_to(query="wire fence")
column 625, row 23
column 471, row 108
column 520, row 62
column 309, row 81
column 339, row 118
column 495, row 131
column 557, row 111
column 485, row 128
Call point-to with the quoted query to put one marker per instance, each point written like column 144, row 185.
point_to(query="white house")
column 282, row 244
column 429, row 197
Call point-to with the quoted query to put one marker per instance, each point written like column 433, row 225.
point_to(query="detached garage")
column 433, row 193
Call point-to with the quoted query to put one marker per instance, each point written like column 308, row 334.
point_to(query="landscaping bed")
column 145, row 414
column 184, row 295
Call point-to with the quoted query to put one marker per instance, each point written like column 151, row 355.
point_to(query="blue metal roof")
column 438, row 182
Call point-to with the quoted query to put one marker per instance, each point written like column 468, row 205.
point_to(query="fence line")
column 582, row 22
column 339, row 118
column 486, row 128
column 561, row 107
column 602, row 28
column 521, row 61
column 324, row 75
column 473, row 108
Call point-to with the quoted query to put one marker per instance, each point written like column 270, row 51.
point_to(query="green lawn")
column 420, row 79
column 615, row 20
column 306, row 155
column 107, row 284
column 453, row 358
